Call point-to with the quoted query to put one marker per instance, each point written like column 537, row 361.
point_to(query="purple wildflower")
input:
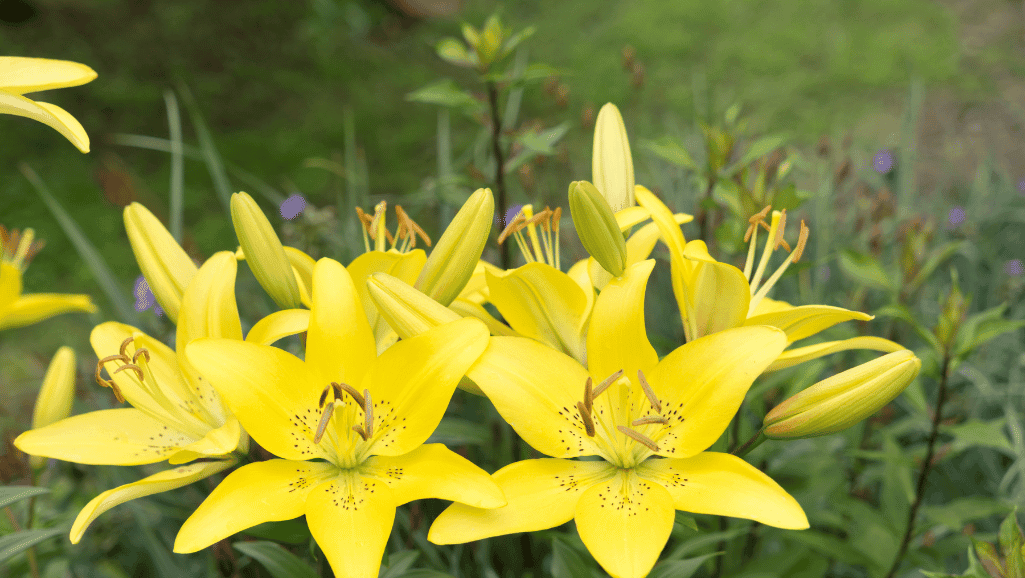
column 292, row 207
column 1014, row 268
column 956, row 216
column 882, row 162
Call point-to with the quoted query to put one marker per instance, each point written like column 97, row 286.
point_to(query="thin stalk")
column 719, row 560
column 926, row 466
column 755, row 441
column 496, row 147
column 703, row 212
column 29, row 520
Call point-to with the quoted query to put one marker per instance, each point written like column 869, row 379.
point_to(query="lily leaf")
column 670, row 151
column 11, row 494
column 13, row 544
column 279, row 562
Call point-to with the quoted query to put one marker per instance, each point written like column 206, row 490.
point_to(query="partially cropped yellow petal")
column 117, row 437
column 718, row 296
column 34, row 307
column 703, row 383
column 48, row 114
column 792, row 357
column 415, row 379
column 541, row 494
column 470, row 309
column 164, row 481
column 434, row 471
column 273, row 490
column 168, row 270
column 767, row 305
column 725, row 485
column 339, row 344
column 542, row 303
column 407, row 310
column 806, row 320
column 612, row 166
column 21, row 75
column 536, row 389
column 278, row 325
column 10, row 286
column 351, row 518
column 625, row 523
column 217, row 442
column 302, row 266
column 58, row 390
column 616, row 337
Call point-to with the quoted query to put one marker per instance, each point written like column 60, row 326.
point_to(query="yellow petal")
column 351, row 519
column 616, row 337
column 269, row 491
column 725, row 485
column 117, row 437
column 792, row 357
column 271, row 392
column 165, row 265
column 542, row 303
column 278, row 325
column 403, row 266
column 625, row 523
column 434, row 471
column 217, row 442
column 302, row 266
column 20, row 75
column 806, row 320
column 579, row 272
column 34, row 307
column 48, row 114
column 673, row 238
column 164, row 481
column 612, row 166
column 541, row 494
column 536, row 389
column 767, row 305
column 339, row 344
column 469, row 309
column 476, row 288
column 702, row 384
column 58, row 390
column 413, row 381
column 718, row 296
column 10, row 286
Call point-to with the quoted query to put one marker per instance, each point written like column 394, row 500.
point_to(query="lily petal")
column 535, row 389
column 269, row 491
column 413, row 381
column 541, row 494
column 466, row 308
column 625, row 523
column 302, row 267
column 725, row 485
column 616, row 337
column 217, row 442
column 405, row 266
column 351, row 519
column 434, row 471
column 21, row 75
column 116, row 437
column 53, row 116
column 807, row 320
column 10, row 286
column 161, row 482
column 271, row 392
column 34, row 307
column 792, row 357
column 279, row 325
column 339, row 344
column 166, row 266
column 703, row 383
column 718, row 296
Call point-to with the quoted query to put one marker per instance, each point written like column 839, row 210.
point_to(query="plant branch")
column 755, row 441
column 496, row 147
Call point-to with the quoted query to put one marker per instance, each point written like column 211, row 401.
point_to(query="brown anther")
column 368, row 414
column 585, row 416
column 117, row 392
column 364, row 218
column 323, row 397
column 588, row 395
column 802, row 241
column 352, row 392
column 750, row 229
column 779, row 230
column 410, row 228
column 133, row 367
column 606, row 383
column 760, row 215
column 339, row 392
column 325, row 418
column 141, row 351
column 649, row 419
column 359, row 429
column 539, row 218
column 556, row 217
column 638, row 437
column 511, row 228
column 655, row 403
column 124, row 347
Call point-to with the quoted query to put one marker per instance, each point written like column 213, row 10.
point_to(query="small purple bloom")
column 1021, row 186
column 1014, row 268
column 956, row 216
column 292, row 207
column 509, row 216
column 824, row 273
column 882, row 162
column 144, row 298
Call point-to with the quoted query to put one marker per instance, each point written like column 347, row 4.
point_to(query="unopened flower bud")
column 596, row 226
column 838, row 402
column 454, row 258
column 264, row 253
column 164, row 264
column 56, row 395
column 612, row 166
column 408, row 311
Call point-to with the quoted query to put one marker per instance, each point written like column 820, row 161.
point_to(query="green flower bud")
column 454, row 258
column 164, row 264
column 612, row 166
column 836, row 403
column 408, row 311
column 264, row 253
column 596, row 226
column 56, row 395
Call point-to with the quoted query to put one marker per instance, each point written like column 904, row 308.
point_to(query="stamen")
column 133, row 367
column 606, row 383
column 779, row 230
column 124, row 346
column 364, row 220
column 109, row 383
column 368, row 414
column 649, row 419
column 588, row 393
column 329, row 410
column 352, row 391
column 511, row 228
column 652, row 398
column 556, row 217
column 141, row 351
column 359, row 429
column 585, row 416
column 802, row 241
column 323, row 397
column 638, row 437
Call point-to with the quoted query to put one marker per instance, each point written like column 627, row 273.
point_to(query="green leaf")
column 455, row 52
column 399, row 563
column 758, row 149
column 288, row 531
column 955, row 514
column 680, row 568
column 516, row 39
column 936, row 257
column 11, row 494
column 904, row 314
column 686, row 521
column 542, row 142
column 13, row 544
column 567, row 562
column 455, row 431
column 833, row 547
column 177, row 188
column 279, row 562
column 670, row 151
column 424, row 573
column 989, row 557
column 1010, row 534
column 976, row 433
column 530, row 73
column 865, row 269
column 444, row 93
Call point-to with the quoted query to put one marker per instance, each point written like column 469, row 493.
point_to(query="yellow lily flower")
column 361, row 416
column 18, row 309
column 175, row 415
column 20, row 75
column 649, row 421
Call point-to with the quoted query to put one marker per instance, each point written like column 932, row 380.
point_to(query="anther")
column 655, row 403
column 588, row 394
column 329, row 410
column 649, row 419
column 352, row 392
column 638, row 437
column 802, row 240
column 606, row 383
column 779, row 230
column 323, row 397
column 759, row 217
column 117, row 392
column 585, row 416
column 133, row 367
column 511, row 228
column 141, row 351
column 379, row 211
column 368, row 414
column 124, row 346
column 359, row 429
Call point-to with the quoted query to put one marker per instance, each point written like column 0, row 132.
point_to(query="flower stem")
column 496, row 147
column 31, row 552
column 941, row 398
column 755, row 441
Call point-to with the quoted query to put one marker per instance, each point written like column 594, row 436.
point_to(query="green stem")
column 755, row 441
column 31, row 552
column 496, row 147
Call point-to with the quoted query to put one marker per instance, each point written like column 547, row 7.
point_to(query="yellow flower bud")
column 164, row 264
column 596, row 226
column 408, row 311
column 836, row 403
column 454, row 258
column 264, row 253
column 56, row 395
column 612, row 166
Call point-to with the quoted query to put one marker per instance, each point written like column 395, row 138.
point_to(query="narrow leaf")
column 13, row 544
column 11, row 494
column 279, row 562
column 174, row 124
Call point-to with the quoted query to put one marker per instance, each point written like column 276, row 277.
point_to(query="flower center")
column 775, row 238
column 374, row 228
column 360, row 423
column 17, row 248
column 543, row 248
